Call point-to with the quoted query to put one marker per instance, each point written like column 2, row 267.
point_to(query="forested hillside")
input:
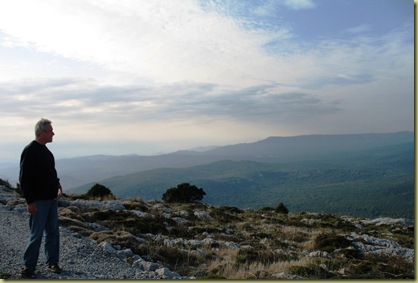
column 365, row 182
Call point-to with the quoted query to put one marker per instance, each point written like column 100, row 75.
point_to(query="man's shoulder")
column 33, row 145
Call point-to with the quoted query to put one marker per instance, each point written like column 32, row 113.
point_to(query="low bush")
column 101, row 192
column 184, row 193
column 330, row 242
column 281, row 209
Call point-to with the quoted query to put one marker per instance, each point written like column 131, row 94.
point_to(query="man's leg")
column 52, row 236
column 37, row 226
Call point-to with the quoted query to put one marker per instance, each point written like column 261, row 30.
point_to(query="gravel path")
column 81, row 258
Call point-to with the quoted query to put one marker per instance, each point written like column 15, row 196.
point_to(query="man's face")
column 48, row 134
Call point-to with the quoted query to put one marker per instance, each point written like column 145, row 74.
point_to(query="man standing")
column 41, row 188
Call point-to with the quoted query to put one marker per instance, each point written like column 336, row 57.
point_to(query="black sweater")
column 38, row 177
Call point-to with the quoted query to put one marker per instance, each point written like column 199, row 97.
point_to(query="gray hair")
column 41, row 125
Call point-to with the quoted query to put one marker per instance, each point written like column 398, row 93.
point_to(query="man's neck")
column 40, row 141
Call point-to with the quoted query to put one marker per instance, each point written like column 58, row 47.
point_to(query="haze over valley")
column 367, row 175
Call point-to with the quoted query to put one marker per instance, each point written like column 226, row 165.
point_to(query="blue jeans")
column 44, row 220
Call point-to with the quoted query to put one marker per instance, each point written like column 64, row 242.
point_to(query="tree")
column 184, row 193
column 100, row 191
column 281, row 209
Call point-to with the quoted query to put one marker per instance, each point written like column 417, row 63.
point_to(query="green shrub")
column 100, row 191
column 184, row 193
column 282, row 209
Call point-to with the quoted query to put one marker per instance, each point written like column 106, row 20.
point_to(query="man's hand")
column 59, row 191
column 32, row 209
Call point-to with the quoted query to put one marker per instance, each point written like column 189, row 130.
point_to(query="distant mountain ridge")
column 313, row 144
column 366, row 175
column 306, row 172
column 77, row 171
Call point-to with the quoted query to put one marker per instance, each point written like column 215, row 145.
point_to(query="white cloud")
column 144, row 72
column 160, row 40
column 170, row 42
column 299, row 4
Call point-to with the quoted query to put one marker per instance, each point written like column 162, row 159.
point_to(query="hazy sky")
column 151, row 76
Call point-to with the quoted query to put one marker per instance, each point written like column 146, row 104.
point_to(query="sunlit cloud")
column 128, row 73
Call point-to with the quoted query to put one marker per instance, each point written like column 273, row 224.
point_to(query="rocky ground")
column 135, row 239
column 81, row 258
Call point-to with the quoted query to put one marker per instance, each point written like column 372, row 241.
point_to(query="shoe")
column 54, row 268
column 28, row 273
